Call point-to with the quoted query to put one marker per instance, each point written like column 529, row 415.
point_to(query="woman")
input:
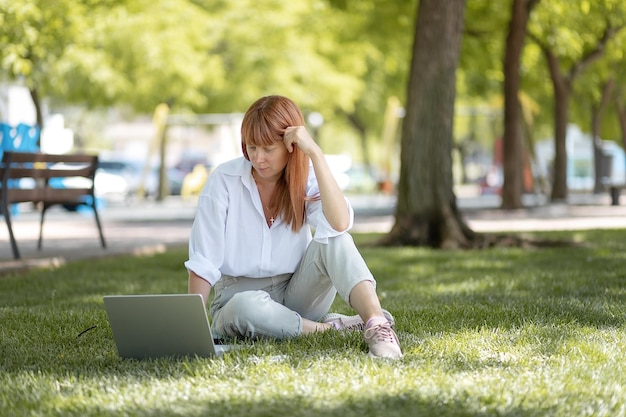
column 251, row 240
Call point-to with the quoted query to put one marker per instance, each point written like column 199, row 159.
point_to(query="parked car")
column 132, row 173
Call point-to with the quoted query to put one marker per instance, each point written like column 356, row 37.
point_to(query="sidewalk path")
column 144, row 228
column 150, row 227
column 482, row 213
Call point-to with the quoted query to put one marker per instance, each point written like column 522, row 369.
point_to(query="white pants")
column 273, row 307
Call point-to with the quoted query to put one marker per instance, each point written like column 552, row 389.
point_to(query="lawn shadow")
column 59, row 330
column 403, row 404
column 553, row 293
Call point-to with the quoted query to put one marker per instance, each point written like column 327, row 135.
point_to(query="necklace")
column 271, row 220
column 267, row 212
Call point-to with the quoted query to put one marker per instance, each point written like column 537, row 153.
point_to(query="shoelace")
column 357, row 326
column 343, row 323
column 382, row 332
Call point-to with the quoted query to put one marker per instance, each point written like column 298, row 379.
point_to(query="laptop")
column 160, row 325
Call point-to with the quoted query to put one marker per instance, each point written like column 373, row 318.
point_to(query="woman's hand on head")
column 299, row 136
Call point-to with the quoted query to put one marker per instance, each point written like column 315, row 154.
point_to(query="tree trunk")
column 562, row 84
column 359, row 126
column 562, row 88
column 427, row 214
column 34, row 95
column 513, row 124
column 596, row 121
column 621, row 113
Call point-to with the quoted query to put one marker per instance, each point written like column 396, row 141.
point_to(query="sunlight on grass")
column 508, row 332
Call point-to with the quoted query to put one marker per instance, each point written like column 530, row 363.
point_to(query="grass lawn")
column 499, row 332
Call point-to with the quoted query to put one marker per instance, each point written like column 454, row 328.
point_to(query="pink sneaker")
column 342, row 322
column 383, row 341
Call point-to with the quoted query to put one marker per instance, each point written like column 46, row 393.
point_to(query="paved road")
column 483, row 214
column 149, row 227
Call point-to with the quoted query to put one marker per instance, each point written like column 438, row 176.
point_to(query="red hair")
column 263, row 125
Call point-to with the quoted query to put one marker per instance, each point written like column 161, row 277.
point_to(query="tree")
column 597, row 112
column 596, row 99
column 577, row 39
column 479, row 77
column 385, row 34
column 619, row 97
column 135, row 54
column 34, row 36
column 621, row 114
column 513, row 123
column 271, row 46
column 427, row 214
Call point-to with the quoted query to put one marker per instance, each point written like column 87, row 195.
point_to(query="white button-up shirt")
column 230, row 236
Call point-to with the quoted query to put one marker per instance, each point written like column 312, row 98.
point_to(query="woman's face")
column 268, row 161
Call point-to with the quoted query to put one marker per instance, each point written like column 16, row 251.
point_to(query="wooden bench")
column 38, row 169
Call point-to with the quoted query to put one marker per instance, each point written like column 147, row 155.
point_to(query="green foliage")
column 512, row 332
column 271, row 47
column 221, row 58
column 384, row 32
column 588, row 92
column 212, row 56
column 344, row 59
column 34, row 35
column 572, row 33
column 483, row 48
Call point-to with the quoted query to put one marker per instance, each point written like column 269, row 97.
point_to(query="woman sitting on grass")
column 252, row 243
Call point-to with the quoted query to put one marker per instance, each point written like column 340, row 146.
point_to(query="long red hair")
column 263, row 125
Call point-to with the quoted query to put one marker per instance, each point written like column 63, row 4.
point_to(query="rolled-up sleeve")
column 317, row 220
column 206, row 241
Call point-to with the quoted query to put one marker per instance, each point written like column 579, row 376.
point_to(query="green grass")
column 499, row 332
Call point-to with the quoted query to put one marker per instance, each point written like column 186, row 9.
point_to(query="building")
column 580, row 160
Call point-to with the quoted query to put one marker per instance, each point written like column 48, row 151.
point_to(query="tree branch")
column 595, row 53
column 530, row 5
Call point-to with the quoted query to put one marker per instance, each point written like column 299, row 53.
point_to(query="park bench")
column 36, row 177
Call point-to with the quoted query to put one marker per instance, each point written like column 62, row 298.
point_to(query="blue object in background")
column 21, row 138
column 85, row 207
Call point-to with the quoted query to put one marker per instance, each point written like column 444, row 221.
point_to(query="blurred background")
column 158, row 88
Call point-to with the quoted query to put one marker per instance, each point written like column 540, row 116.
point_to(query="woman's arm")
column 333, row 201
column 200, row 286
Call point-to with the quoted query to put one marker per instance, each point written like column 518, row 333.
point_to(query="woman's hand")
column 298, row 136
column 333, row 202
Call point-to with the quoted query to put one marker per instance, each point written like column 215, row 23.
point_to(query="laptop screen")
column 158, row 325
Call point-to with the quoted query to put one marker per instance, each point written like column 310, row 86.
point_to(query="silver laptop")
column 153, row 326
